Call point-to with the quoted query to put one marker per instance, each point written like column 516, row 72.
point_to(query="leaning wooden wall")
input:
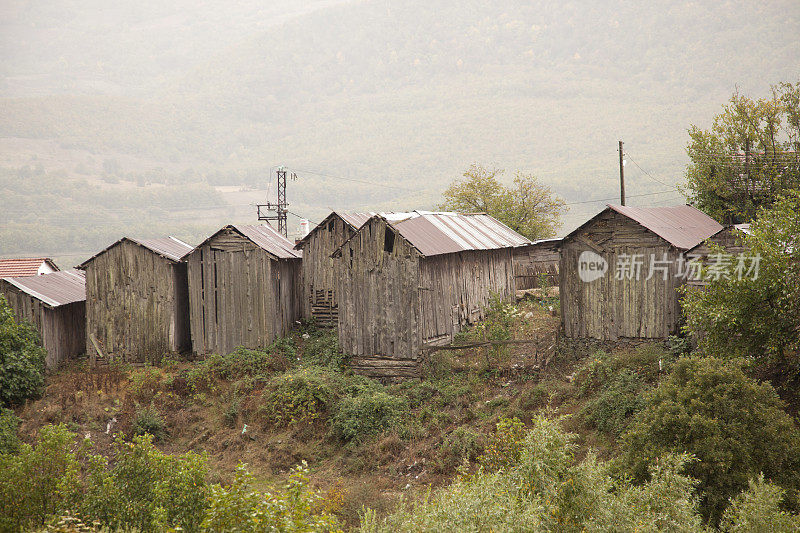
column 455, row 289
column 62, row 329
column 378, row 295
column 319, row 277
column 608, row 308
column 535, row 261
column 239, row 295
column 130, row 303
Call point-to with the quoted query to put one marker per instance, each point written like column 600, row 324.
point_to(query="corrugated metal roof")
column 24, row 266
column 355, row 220
column 436, row 233
column 54, row 290
column 683, row 226
column 268, row 239
column 168, row 247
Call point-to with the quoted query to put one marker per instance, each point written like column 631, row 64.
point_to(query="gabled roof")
column 170, row 248
column 264, row 237
column 437, row 233
column 354, row 220
column 55, row 289
column 24, row 266
column 682, row 226
column 742, row 228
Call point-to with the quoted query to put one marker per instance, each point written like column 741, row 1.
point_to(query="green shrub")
column 147, row 490
column 504, row 446
column 40, row 481
column 243, row 362
column 617, row 402
column 299, row 396
column 648, row 361
column 463, row 444
column 295, row 508
column 534, row 398
column 359, row 417
column 9, row 423
column 21, row 359
column 145, row 383
column 733, row 425
column 148, row 420
column 322, row 348
column 758, row 509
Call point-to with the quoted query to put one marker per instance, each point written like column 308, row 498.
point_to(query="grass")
column 368, row 444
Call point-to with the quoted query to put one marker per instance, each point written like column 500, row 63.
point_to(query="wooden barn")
column 56, row 304
column 319, row 277
column 137, row 302
column 620, row 271
column 730, row 238
column 244, row 288
column 407, row 280
column 535, row 261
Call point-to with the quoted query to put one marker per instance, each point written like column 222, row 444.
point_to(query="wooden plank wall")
column 378, row 296
column 455, row 288
column 610, row 309
column 730, row 239
column 533, row 260
column 62, row 329
column 319, row 276
column 130, row 304
column 239, row 295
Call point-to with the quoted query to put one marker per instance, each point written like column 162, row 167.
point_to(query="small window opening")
column 351, row 258
column 388, row 241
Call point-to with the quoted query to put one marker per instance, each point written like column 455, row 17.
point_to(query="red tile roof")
column 25, row 266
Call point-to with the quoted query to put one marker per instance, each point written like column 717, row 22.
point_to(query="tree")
column 21, row 358
column 733, row 425
column 750, row 155
column 756, row 317
column 527, row 207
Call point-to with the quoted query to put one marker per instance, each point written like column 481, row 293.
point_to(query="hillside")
column 404, row 96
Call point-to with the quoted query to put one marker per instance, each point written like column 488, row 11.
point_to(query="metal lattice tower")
column 277, row 211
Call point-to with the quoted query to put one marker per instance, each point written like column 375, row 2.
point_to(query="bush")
column 732, row 424
column 647, row 361
column 504, row 446
column 300, row 396
column 149, row 421
column 243, row 362
column 40, row 481
column 9, row 423
column 322, row 348
column 463, row 444
column 294, row 508
column 21, row 359
column 359, row 417
column 618, row 400
column 757, row 509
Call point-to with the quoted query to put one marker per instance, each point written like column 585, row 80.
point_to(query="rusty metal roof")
column 269, row 240
column 354, row 220
column 683, row 226
column 24, row 266
column 170, row 248
column 437, row 233
column 55, row 289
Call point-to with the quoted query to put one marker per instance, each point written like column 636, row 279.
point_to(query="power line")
column 650, row 175
column 612, row 199
column 352, row 179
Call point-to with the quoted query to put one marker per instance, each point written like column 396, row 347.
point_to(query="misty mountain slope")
column 406, row 94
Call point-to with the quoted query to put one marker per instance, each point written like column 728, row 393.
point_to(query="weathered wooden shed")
column 244, row 287
column 620, row 271
column 730, row 238
column 537, row 260
column 137, row 301
column 319, row 277
column 407, row 280
column 56, row 304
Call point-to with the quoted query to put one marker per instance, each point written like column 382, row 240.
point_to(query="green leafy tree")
column 527, row 207
column 734, row 426
column 748, row 157
column 757, row 318
column 21, row 358
column 758, row 510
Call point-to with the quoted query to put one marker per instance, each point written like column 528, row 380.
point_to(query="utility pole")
column 621, row 176
column 280, row 208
